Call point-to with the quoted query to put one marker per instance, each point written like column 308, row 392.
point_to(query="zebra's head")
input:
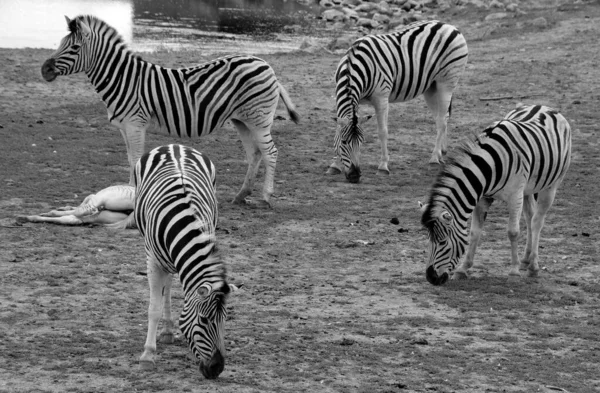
column 447, row 242
column 202, row 322
column 349, row 135
column 69, row 58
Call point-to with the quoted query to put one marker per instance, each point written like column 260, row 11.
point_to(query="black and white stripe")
column 424, row 58
column 520, row 160
column 189, row 102
column 176, row 213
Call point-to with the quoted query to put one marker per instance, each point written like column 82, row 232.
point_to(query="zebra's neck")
column 348, row 90
column 202, row 270
column 462, row 182
column 110, row 66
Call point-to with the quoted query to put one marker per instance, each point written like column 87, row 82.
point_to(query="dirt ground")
column 334, row 297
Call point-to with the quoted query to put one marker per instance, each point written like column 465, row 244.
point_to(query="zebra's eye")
column 204, row 320
column 203, row 291
column 75, row 47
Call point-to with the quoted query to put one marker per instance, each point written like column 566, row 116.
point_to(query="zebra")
column 424, row 58
column 176, row 212
column 190, row 101
column 521, row 160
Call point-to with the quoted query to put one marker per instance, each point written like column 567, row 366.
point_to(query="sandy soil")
column 334, row 296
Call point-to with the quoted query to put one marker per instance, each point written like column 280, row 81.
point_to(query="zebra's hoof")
column 147, row 365
column 532, row 273
column 258, row 203
column 239, row 200
column 167, row 338
column 514, row 273
column 383, row 172
column 333, row 171
column 459, row 276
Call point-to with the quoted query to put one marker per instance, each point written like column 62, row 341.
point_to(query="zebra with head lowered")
column 520, row 160
column 423, row 58
column 176, row 213
column 190, row 101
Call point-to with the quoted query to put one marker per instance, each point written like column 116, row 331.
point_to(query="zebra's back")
column 404, row 63
column 200, row 99
column 534, row 141
column 176, row 207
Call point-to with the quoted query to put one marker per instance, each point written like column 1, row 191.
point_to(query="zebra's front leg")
column 157, row 280
column 336, row 166
column 381, row 106
column 167, row 333
column 135, row 138
column 477, row 221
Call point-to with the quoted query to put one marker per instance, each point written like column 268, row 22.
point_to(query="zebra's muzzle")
column 214, row 367
column 49, row 71
column 433, row 277
column 353, row 174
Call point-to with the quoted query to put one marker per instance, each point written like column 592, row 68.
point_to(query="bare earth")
column 334, row 298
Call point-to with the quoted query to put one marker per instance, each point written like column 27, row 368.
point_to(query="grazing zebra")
column 183, row 101
column 176, row 213
column 520, row 160
column 423, row 58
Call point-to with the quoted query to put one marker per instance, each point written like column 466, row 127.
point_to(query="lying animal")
column 108, row 206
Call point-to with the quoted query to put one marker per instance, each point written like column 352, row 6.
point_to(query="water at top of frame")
column 159, row 24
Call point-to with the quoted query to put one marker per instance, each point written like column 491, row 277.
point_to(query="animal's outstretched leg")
column 438, row 98
column 253, row 156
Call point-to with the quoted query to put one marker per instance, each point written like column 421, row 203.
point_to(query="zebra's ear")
column 233, row 287
column 68, row 20
column 84, row 28
column 422, row 206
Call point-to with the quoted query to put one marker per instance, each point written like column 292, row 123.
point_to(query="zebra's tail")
column 289, row 104
column 128, row 222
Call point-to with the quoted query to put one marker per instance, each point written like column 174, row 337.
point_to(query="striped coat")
column 190, row 102
column 176, row 213
column 520, row 160
column 424, row 58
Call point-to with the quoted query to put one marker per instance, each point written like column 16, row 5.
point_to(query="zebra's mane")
column 96, row 24
column 352, row 131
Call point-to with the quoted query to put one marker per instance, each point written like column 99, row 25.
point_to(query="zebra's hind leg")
column 257, row 143
column 477, row 221
column 529, row 206
column 515, row 207
column 438, row 98
column 544, row 201
column 157, row 280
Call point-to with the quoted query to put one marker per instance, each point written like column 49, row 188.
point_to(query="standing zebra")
column 520, row 160
column 423, row 58
column 183, row 101
column 176, row 213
